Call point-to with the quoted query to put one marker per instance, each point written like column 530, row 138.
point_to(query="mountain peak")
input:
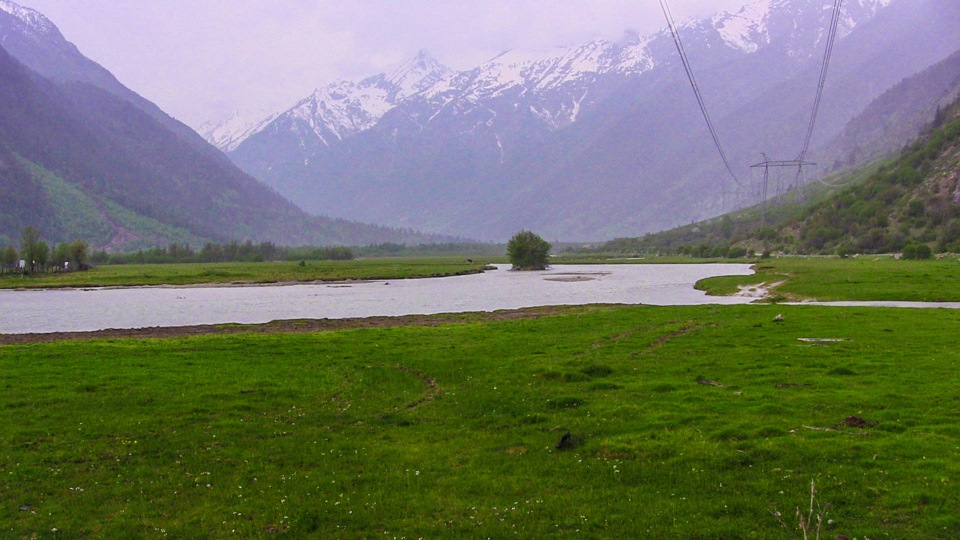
column 30, row 18
column 417, row 74
column 797, row 24
column 553, row 84
column 342, row 108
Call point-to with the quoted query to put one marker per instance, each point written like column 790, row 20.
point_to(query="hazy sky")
column 203, row 59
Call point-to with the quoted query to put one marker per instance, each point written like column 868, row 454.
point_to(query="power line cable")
column 825, row 66
column 696, row 88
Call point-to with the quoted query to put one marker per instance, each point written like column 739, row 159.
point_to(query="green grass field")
column 246, row 273
column 694, row 422
column 863, row 278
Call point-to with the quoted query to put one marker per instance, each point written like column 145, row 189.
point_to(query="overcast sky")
column 200, row 60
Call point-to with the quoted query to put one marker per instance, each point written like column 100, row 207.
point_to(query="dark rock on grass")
column 569, row 441
column 857, row 422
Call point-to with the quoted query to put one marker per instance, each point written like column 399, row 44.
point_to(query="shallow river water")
column 77, row 310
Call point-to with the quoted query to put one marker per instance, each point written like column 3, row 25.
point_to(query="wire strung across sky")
column 824, row 68
column 827, row 55
column 696, row 89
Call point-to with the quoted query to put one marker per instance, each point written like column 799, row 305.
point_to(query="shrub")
column 527, row 251
column 917, row 252
column 737, row 253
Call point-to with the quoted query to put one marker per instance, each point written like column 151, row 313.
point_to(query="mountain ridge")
column 603, row 139
column 82, row 156
column 547, row 70
column 906, row 203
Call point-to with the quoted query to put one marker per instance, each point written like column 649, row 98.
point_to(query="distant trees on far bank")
column 230, row 252
column 35, row 255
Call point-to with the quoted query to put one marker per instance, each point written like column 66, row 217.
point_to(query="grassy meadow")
column 671, row 422
column 684, row 422
column 865, row 278
column 234, row 273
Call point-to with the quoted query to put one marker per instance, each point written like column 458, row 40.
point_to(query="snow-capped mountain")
column 346, row 108
column 787, row 22
column 596, row 140
column 30, row 22
column 228, row 133
column 337, row 111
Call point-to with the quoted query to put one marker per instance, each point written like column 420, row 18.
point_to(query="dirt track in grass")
column 299, row 325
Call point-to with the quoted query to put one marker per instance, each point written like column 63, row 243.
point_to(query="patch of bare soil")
column 298, row 326
column 857, row 422
column 758, row 291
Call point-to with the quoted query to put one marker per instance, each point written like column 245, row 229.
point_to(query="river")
column 78, row 310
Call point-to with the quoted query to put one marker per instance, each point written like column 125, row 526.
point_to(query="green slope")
column 909, row 200
column 104, row 223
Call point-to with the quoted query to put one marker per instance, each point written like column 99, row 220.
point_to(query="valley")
column 301, row 322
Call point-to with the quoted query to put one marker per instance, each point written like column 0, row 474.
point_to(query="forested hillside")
column 901, row 204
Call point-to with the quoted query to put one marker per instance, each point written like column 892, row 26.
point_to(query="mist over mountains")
column 595, row 141
column 590, row 142
column 82, row 156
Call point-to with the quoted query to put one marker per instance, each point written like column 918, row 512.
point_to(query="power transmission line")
column 800, row 162
column 825, row 66
column 696, row 88
column 768, row 164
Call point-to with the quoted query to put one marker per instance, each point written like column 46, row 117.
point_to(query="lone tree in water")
column 527, row 251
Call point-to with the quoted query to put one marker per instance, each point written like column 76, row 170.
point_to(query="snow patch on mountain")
column 228, row 133
column 745, row 30
column 344, row 108
column 341, row 109
column 636, row 58
column 573, row 65
column 30, row 17
column 416, row 75
column 32, row 24
column 867, row 8
column 552, row 85
column 536, row 72
column 508, row 70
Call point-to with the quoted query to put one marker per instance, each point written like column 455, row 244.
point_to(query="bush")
column 917, row 252
column 737, row 253
column 527, row 251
